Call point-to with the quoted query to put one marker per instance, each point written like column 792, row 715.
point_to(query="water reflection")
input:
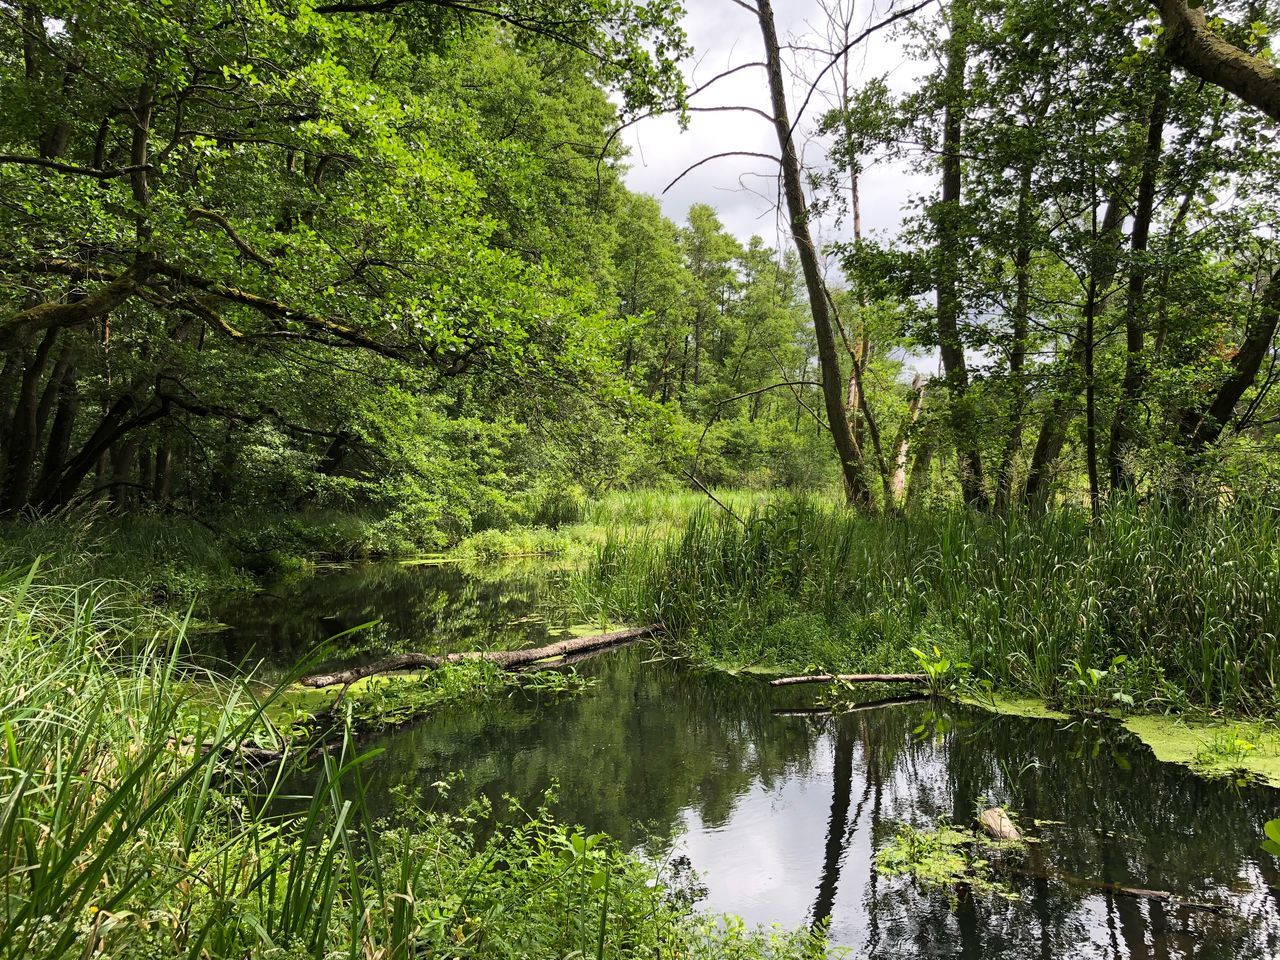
column 398, row 607
column 781, row 815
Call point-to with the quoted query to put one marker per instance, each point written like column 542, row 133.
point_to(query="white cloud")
column 744, row 189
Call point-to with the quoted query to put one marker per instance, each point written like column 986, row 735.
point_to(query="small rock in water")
column 997, row 825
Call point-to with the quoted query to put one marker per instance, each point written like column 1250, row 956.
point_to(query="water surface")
column 780, row 812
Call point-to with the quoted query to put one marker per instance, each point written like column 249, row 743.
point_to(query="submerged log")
column 507, row 659
column 851, row 678
column 1115, row 889
column 845, row 708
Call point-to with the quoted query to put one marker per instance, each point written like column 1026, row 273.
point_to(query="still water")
column 779, row 813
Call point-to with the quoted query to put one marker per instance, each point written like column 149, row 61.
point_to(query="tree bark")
column 507, row 659
column 1190, row 43
column 902, row 447
column 21, row 448
column 850, row 678
column 947, row 217
column 59, row 445
column 1018, row 348
column 797, row 208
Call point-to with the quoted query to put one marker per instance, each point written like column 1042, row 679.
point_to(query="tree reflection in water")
column 782, row 815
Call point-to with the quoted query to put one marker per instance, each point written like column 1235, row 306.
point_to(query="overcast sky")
column 744, row 189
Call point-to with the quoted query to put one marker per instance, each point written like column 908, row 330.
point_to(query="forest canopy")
column 381, row 256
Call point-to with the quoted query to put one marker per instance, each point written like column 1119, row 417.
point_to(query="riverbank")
column 139, row 843
column 1151, row 610
column 172, row 558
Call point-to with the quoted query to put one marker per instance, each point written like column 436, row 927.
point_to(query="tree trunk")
column 1053, row 431
column 1122, row 429
column 898, row 485
column 1194, row 46
column 1201, row 427
column 21, row 448
column 797, row 207
column 947, row 217
column 921, row 470
column 59, row 445
column 1018, row 348
column 162, row 488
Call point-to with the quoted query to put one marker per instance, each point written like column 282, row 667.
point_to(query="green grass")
column 121, row 836
column 1154, row 607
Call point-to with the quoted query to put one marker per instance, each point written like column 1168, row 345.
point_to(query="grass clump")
column 1154, row 606
column 130, row 827
column 389, row 700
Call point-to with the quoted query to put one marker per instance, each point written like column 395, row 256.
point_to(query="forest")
column 421, row 537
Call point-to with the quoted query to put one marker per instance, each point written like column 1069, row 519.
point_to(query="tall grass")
column 129, row 828
column 1188, row 600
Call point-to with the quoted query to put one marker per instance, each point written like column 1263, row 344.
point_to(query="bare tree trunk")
column 1122, row 430
column 797, row 207
column 898, row 485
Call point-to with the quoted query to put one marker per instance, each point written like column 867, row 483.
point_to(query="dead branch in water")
column 850, row 678
column 507, row 659
column 1116, row 889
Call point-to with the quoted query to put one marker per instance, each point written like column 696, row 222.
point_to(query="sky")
column 744, row 189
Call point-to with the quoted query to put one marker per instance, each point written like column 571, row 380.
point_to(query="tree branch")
column 719, row 156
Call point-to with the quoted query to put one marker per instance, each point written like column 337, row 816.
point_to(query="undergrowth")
column 1152, row 607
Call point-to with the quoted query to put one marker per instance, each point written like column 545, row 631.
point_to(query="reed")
column 1180, row 606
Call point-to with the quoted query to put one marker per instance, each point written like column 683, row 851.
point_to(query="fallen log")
column 569, row 660
column 1115, row 889
column 507, row 659
column 850, row 678
column 843, row 709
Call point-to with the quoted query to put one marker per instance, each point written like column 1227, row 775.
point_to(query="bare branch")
column 719, row 156
column 836, row 57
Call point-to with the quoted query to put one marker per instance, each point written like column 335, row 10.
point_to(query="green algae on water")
column 1214, row 749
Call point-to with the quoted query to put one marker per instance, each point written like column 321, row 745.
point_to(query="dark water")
column 780, row 815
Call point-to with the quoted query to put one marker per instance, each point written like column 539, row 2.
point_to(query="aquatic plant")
column 949, row 858
column 941, row 672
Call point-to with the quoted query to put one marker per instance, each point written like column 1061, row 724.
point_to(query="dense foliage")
column 379, row 257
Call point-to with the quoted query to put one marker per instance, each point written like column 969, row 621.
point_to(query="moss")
column 1212, row 749
column 1007, row 706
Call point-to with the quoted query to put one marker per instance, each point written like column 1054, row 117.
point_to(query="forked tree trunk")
column 901, row 449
